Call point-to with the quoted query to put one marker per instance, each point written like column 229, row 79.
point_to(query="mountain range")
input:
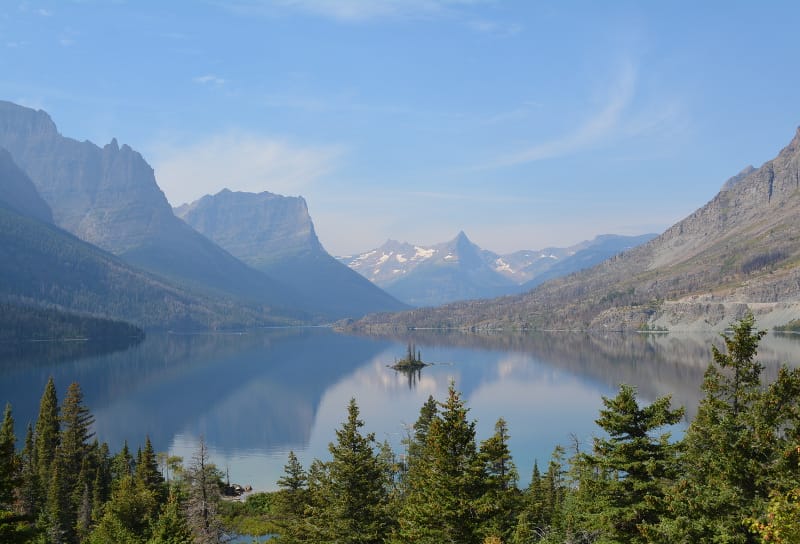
column 460, row 270
column 740, row 252
column 107, row 197
column 275, row 235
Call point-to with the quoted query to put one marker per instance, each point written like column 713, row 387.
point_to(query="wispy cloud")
column 592, row 131
column 353, row 10
column 495, row 28
column 209, row 79
column 240, row 161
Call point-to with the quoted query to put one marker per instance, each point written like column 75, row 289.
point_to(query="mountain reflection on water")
column 255, row 396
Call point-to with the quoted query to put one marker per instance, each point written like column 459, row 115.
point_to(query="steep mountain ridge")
column 109, row 197
column 740, row 251
column 427, row 276
column 275, row 234
column 404, row 269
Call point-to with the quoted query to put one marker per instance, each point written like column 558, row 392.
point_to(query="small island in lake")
column 412, row 360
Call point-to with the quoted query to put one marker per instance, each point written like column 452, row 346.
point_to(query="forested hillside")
column 42, row 265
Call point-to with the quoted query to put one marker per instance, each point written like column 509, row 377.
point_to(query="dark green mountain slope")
column 275, row 234
column 43, row 265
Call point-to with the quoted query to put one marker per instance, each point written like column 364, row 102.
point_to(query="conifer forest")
column 732, row 477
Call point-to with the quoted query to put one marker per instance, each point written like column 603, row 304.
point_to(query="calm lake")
column 255, row 396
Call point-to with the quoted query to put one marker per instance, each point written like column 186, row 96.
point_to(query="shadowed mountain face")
column 109, row 197
column 18, row 193
column 275, row 234
column 740, row 251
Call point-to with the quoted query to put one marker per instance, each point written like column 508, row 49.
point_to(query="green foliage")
column 171, row 526
column 440, row 503
column 353, row 489
column 46, row 435
column 628, row 470
column 500, row 501
column 735, row 449
column 8, row 461
column 255, row 516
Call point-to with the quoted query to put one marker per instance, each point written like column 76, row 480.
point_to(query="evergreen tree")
column 28, row 493
column 292, row 500
column 127, row 517
column 122, row 464
column 46, row 435
column 629, row 469
column 8, row 461
column 354, row 488
column 147, row 471
column 171, row 526
column 56, row 517
column 73, row 456
column 735, row 450
column 501, row 500
column 443, row 487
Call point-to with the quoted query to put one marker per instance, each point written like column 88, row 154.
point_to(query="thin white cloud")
column 495, row 28
column 209, row 79
column 44, row 12
column 352, row 10
column 66, row 42
column 593, row 131
column 240, row 162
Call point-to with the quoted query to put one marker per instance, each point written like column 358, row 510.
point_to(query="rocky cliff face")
column 89, row 188
column 256, row 228
column 740, row 251
column 109, row 197
column 275, row 234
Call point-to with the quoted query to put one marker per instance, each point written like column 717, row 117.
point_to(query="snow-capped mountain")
column 459, row 269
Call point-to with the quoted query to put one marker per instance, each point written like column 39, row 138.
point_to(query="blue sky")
column 523, row 123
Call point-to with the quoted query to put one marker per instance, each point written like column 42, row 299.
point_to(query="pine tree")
column 292, row 501
column 46, row 435
column 171, row 526
column 147, row 471
column 56, row 518
column 122, row 464
column 73, row 456
column 443, row 487
column 28, row 493
column 628, row 470
column 8, row 461
column 501, row 500
column 127, row 517
column 354, row 489
column 735, row 450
